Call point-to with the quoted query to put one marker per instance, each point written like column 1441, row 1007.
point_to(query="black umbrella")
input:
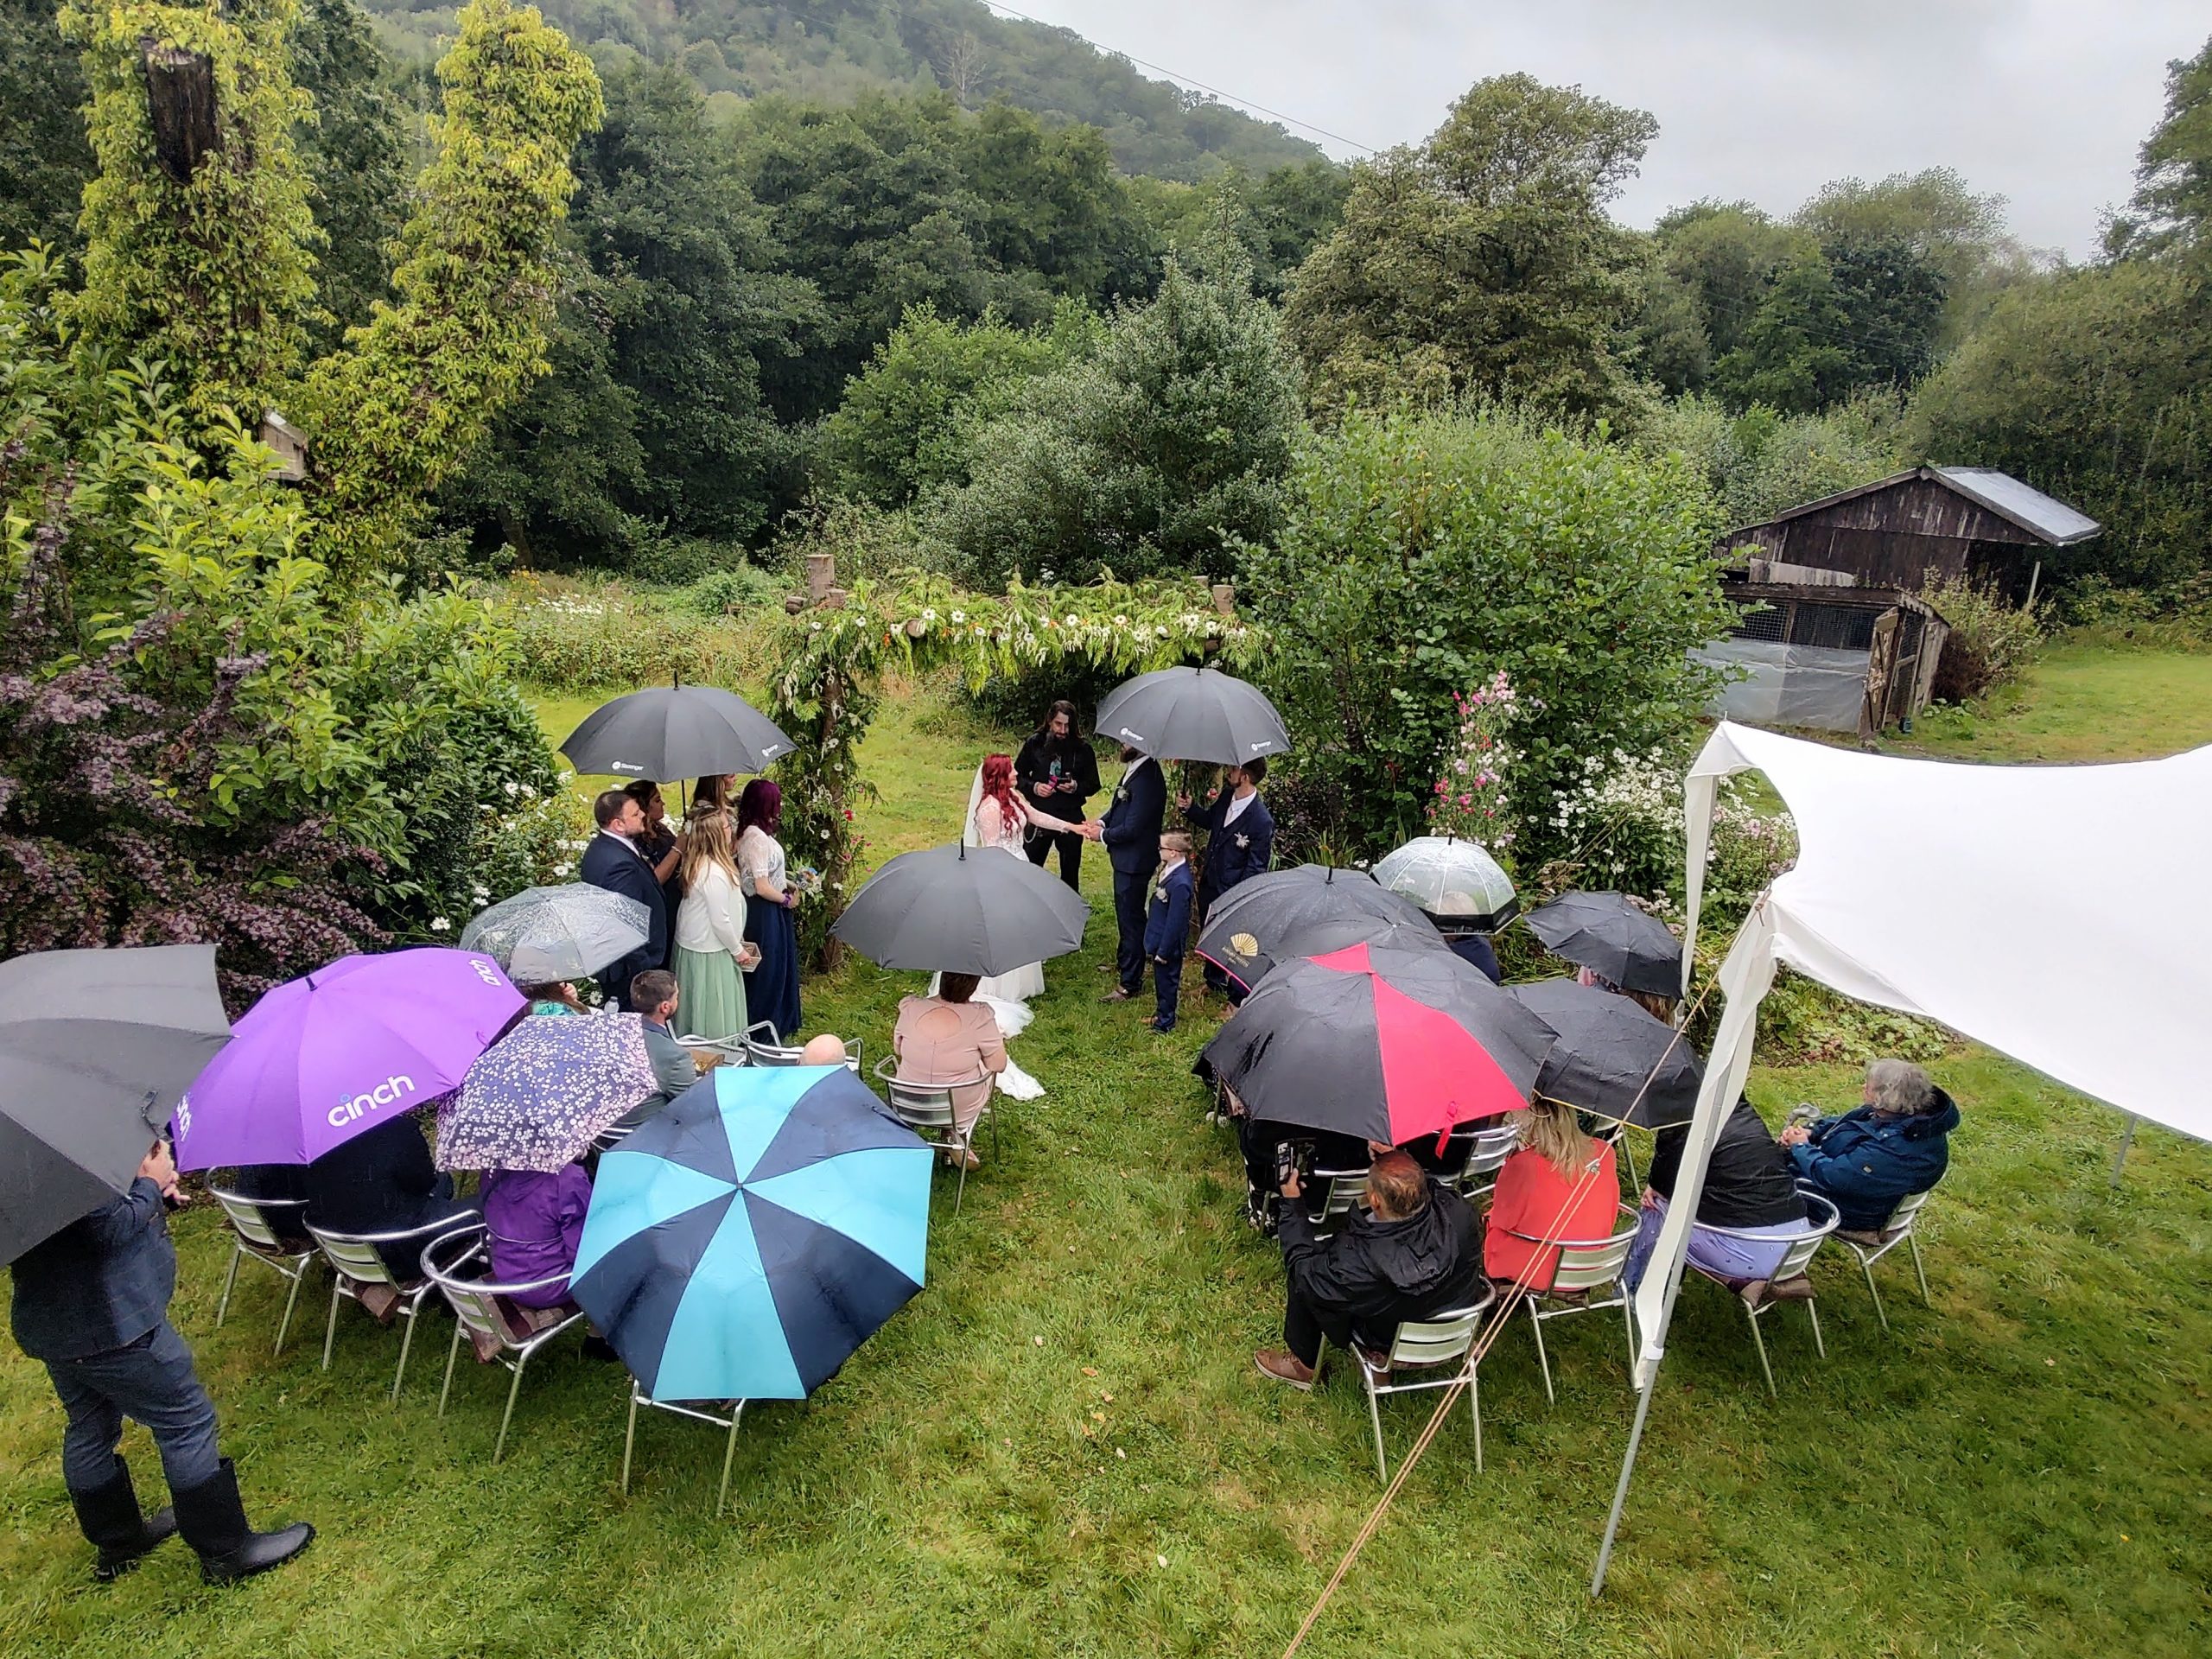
column 1193, row 714
column 96, row 1047
column 1612, row 1060
column 1382, row 1045
column 963, row 911
column 675, row 731
column 1305, row 912
column 1612, row 938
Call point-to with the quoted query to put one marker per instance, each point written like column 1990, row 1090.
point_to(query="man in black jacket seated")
column 1414, row 1254
column 383, row 1181
column 93, row 1303
column 1750, row 1186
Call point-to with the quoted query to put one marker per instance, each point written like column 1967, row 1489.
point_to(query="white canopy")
column 2062, row 915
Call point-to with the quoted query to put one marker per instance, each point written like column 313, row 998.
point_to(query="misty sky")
column 2041, row 101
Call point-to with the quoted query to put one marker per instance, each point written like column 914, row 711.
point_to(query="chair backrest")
column 1487, row 1151
column 920, row 1105
column 771, row 1050
column 357, row 1255
column 1439, row 1340
column 277, row 1225
column 1342, row 1191
column 475, row 1302
column 731, row 1050
column 1804, row 1246
column 1587, row 1264
column 1909, row 1207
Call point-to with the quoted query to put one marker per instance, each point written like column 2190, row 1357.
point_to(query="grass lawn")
column 1060, row 1446
column 2080, row 703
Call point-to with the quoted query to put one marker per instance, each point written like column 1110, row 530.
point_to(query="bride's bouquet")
column 806, row 881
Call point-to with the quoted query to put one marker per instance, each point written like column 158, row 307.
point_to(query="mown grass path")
column 1060, row 1448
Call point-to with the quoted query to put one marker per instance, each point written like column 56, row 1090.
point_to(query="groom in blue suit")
column 614, row 862
column 1130, row 832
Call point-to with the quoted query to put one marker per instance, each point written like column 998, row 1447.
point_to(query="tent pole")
column 1620, row 1491
column 2126, row 1139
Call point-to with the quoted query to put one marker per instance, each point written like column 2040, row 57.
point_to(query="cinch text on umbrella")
column 385, row 1094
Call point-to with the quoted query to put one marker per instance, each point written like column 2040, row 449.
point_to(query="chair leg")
column 1919, row 1272
column 291, row 1301
column 514, row 1388
column 1536, row 1325
column 406, row 1342
column 1751, row 1314
column 629, row 1439
column 230, row 1279
column 729, row 1456
column 960, row 1192
column 1866, row 1266
column 1628, row 1323
column 1374, row 1416
column 330, row 1328
column 453, row 1353
column 1812, row 1312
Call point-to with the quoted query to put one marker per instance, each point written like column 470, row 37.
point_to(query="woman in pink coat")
column 949, row 1038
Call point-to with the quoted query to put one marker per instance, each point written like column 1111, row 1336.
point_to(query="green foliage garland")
column 827, row 688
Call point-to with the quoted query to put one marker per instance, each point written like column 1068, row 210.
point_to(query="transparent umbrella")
column 543, row 935
column 1456, row 881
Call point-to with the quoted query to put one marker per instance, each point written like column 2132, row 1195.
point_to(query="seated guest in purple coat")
column 533, row 1223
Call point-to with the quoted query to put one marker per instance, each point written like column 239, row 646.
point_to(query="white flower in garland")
column 439, row 924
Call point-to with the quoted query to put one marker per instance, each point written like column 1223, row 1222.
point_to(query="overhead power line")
column 1190, row 80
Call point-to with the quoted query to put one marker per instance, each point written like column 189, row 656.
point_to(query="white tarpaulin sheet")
column 2062, row 915
column 1820, row 687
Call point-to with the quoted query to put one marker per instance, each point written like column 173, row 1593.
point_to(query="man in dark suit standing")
column 92, row 1302
column 613, row 862
column 1240, row 844
column 1130, row 832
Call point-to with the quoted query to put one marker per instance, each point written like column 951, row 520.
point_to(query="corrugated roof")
column 2028, row 507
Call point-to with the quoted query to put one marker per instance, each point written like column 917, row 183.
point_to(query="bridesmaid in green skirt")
column 711, row 951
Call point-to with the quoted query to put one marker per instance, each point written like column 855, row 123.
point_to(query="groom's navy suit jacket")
column 1131, row 826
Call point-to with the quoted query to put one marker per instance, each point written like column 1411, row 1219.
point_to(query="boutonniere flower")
column 1160, row 892
column 1244, row 841
column 1121, row 794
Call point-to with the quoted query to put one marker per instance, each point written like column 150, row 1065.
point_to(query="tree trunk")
column 180, row 107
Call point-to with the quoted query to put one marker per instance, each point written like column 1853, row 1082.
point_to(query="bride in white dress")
column 997, row 817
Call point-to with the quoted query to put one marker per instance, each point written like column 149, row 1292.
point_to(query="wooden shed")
column 1932, row 522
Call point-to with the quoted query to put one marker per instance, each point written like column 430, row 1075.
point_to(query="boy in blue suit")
column 1168, row 926
column 1240, row 844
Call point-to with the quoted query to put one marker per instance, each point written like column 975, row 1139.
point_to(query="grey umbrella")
column 95, row 1048
column 1307, row 911
column 1193, row 714
column 675, row 731
column 963, row 910
column 543, row 935
column 1612, row 938
column 1612, row 1059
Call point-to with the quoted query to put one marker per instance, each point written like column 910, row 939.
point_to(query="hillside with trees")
column 836, row 51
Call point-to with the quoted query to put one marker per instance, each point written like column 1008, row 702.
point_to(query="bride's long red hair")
column 998, row 786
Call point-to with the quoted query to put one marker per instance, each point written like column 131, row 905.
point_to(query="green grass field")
column 1060, row 1446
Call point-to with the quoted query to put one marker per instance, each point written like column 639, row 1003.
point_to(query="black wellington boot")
column 108, row 1516
column 212, row 1520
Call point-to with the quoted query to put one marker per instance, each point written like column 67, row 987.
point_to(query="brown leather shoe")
column 1119, row 994
column 1799, row 1289
column 1284, row 1367
column 1753, row 1291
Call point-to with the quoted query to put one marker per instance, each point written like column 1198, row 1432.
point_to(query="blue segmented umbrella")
column 742, row 1244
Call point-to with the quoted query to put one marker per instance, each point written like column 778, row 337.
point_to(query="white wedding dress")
column 1006, row 994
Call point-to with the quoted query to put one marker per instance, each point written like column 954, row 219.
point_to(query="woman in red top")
column 1545, row 1173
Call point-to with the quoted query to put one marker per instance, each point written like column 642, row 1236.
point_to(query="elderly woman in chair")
column 1895, row 1144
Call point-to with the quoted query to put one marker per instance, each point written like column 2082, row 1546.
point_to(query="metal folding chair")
column 1902, row 1228
column 1487, row 1151
column 1585, row 1266
column 639, row 1397
column 272, row 1232
column 1334, row 1194
column 1795, row 1258
column 484, row 1306
column 731, row 1049
column 1444, row 1339
column 926, row 1109
column 356, row 1262
column 773, row 1050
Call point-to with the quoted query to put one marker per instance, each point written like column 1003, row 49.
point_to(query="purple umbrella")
column 330, row 1056
column 539, row 1097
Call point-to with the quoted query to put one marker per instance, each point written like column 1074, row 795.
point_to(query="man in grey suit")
column 92, row 1301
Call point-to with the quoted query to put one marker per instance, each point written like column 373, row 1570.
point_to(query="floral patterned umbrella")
column 539, row 1097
